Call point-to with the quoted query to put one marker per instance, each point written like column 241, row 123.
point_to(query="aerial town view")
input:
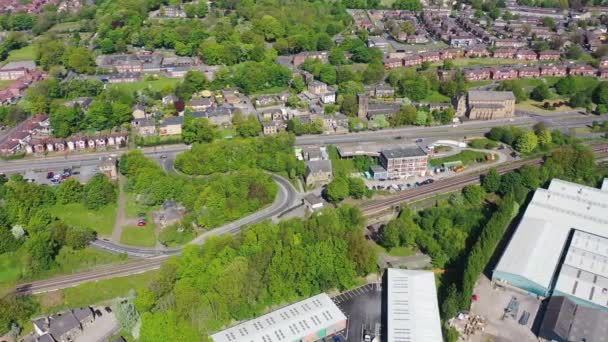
column 303, row 170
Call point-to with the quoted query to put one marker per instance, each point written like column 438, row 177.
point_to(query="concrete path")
column 121, row 217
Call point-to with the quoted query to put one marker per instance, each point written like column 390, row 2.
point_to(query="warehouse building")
column 309, row 320
column 412, row 307
column 566, row 321
column 561, row 245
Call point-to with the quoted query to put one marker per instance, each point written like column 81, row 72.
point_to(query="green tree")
column 374, row 73
column 40, row 252
column 357, row 188
column 98, row 192
column 540, row 92
column 566, row 86
column 544, row 137
column 491, row 181
column 70, row 191
column 198, row 130
column 474, row 194
column 574, row 51
column 249, row 128
column 297, row 83
column 526, row 142
column 337, row 190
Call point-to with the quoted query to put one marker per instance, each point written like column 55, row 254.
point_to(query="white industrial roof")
column 413, row 311
column 291, row 323
column 536, row 246
column 584, row 273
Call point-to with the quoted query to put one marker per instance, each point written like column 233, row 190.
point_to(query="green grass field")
column 466, row 157
column 75, row 214
column 69, row 26
column 486, row 61
column 26, row 53
column 138, row 236
column 434, row 96
column 155, row 85
column 93, row 293
column 10, row 267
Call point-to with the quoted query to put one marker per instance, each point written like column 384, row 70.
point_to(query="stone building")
column 487, row 105
column 404, row 162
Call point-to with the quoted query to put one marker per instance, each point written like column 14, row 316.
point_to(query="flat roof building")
column 566, row 321
column 561, row 245
column 309, row 320
column 412, row 307
column 404, row 162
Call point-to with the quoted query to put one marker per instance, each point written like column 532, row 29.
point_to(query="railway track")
column 455, row 183
column 148, row 264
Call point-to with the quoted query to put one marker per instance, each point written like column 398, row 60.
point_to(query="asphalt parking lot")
column 81, row 173
column 363, row 309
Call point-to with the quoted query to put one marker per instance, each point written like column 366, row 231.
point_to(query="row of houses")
column 23, row 133
column 76, row 143
column 514, row 72
column 15, row 91
column 395, row 60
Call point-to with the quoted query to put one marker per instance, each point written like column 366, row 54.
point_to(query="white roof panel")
column 290, row 323
column 413, row 311
column 538, row 243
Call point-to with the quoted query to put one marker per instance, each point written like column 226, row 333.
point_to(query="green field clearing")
column 435, row 96
column 10, row 267
column 133, row 207
column 395, row 251
column 155, row 85
column 69, row 26
column 139, row 236
column 466, row 157
column 75, row 214
column 486, row 61
column 26, row 53
column 93, row 292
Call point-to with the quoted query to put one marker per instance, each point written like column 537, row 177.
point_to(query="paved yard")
column 103, row 327
column 363, row 309
column 491, row 304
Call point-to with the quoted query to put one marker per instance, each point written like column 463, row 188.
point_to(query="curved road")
column 287, row 196
column 147, row 264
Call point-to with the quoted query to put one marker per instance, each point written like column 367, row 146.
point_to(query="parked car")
column 141, row 223
column 50, row 175
column 419, row 140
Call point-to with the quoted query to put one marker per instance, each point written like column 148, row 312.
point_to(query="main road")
column 563, row 121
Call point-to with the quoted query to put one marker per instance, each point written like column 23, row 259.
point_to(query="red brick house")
column 549, row 55
column 431, row 56
column 553, row 70
column 507, row 73
column 526, row 55
column 477, row 74
column 477, row 51
column 582, row 70
column 528, row 72
column 391, row 63
column 412, row 60
column 504, row 53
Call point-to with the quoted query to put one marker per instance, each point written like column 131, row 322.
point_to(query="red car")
column 141, row 223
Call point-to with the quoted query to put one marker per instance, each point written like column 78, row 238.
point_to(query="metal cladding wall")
column 328, row 331
column 520, row 282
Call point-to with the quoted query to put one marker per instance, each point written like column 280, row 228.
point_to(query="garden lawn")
column 133, row 207
column 466, row 157
column 75, row 214
column 155, row 85
column 93, row 292
column 138, row 236
column 27, row 53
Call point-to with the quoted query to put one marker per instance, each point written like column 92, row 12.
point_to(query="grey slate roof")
column 489, row 95
column 319, row 166
column 62, row 323
column 404, row 152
